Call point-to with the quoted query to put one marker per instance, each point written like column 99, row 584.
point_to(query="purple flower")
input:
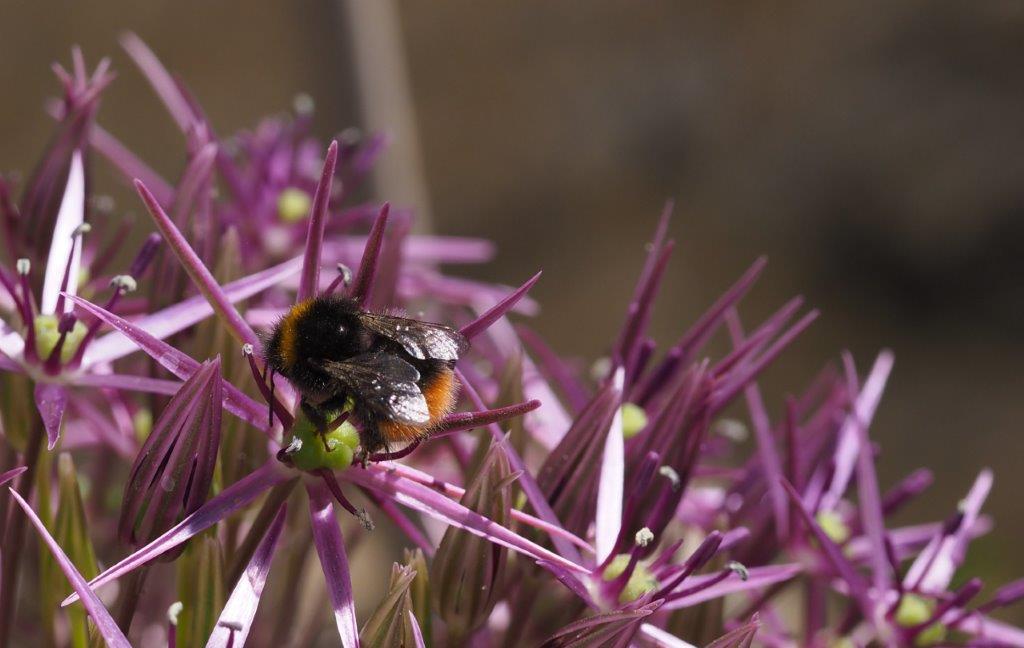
column 556, row 508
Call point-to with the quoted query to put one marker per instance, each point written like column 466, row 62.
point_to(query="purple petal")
column 759, row 577
column 310, row 282
column 457, row 492
column 225, row 503
column 180, row 364
column 420, row 249
column 834, row 554
column 933, row 569
column 534, row 495
column 437, row 505
column 240, row 609
column 105, row 624
column 179, row 317
column 869, row 500
column 51, row 401
column 744, row 374
column 769, row 453
column 161, row 81
column 129, row 164
column 861, row 416
column 11, row 474
column 65, row 243
column 494, row 313
column 662, row 638
column 199, row 273
column 330, row 547
column 130, row 383
column 983, row 627
column 610, row 485
column 362, row 284
column 417, row 634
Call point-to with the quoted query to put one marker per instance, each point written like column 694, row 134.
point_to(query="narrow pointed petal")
column 330, row 547
column 494, row 313
column 470, row 420
column 638, row 314
column 179, row 317
column 105, row 624
column 236, row 618
column 861, row 416
column 610, row 485
column 869, row 499
column 420, row 249
column 130, row 166
column 534, row 495
column 935, row 566
column 66, row 243
column 417, row 634
column 766, row 448
column 143, row 384
column 51, row 401
column 309, row 284
column 179, row 364
column 555, row 531
column 834, row 554
column 663, row 639
column 428, row 501
column 216, row 509
column 1000, row 634
column 606, row 629
column 741, row 637
column 161, row 80
column 362, row 284
column 201, row 276
column 11, row 474
column 759, row 577
column 744, row 374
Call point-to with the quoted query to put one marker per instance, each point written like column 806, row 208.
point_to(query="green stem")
column 14, row 538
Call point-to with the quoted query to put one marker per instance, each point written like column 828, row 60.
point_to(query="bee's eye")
column 342, row 330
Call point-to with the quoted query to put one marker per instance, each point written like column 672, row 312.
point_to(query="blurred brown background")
column 873, row 150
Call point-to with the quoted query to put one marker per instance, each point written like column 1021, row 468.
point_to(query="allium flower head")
column 554, row 507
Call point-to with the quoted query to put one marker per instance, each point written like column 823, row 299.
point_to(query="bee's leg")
column 370, row 440
column 314, row 414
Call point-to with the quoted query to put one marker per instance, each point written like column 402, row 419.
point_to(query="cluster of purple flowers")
column 556, row 507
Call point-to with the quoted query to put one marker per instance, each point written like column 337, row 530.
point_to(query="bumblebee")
column 397, row 373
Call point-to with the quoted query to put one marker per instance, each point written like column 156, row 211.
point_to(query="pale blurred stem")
column 14, row 537
column 387, row 103
column 128, row 599
column 278, row 494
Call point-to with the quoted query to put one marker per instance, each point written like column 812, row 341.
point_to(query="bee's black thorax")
column 323, row 328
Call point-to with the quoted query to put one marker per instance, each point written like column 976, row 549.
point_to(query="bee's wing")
column 383, row 383
column 421, row 340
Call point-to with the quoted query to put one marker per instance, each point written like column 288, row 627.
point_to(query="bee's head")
column 323, row 328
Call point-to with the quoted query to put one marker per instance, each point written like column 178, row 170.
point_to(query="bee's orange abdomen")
column 439, row 390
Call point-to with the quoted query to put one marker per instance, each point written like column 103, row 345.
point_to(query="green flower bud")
column 465, row 576
column 293, row 205
column 390, row 624
column 915, row 610
column 641, row 581
column 311, row 451
column 47, row 334
column 833, row 526
column 634, row 419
